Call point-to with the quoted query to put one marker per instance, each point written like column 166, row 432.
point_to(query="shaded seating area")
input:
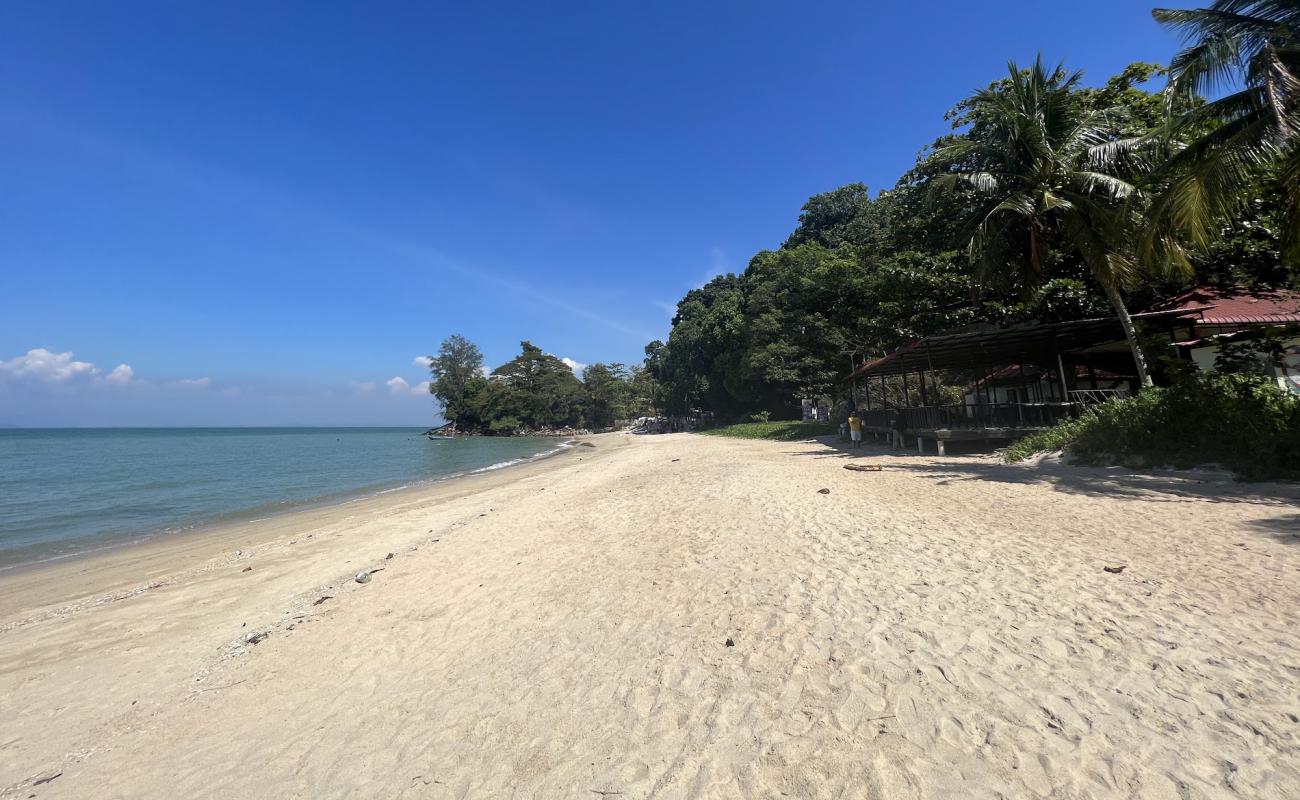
column 1025, row 379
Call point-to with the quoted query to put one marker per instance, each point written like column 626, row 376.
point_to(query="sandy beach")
column 682, row 616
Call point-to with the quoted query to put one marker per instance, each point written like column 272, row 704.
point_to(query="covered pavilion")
column 1067, row 351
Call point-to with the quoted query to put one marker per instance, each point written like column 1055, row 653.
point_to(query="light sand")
column 941, row 629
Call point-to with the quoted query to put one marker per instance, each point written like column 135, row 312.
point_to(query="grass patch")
column 789, row 431
column 1243, row 423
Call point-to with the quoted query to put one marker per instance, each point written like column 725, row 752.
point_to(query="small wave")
column 561, row 447
column 499, row 465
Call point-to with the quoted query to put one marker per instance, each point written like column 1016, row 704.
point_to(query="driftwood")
column 863, row 467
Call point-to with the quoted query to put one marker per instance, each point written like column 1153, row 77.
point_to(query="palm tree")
column 1046, row 167
column 1250, row 134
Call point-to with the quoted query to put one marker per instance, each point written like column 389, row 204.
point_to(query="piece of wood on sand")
column 863, row 467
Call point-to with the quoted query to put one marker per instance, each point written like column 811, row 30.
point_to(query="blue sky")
column 267, row 211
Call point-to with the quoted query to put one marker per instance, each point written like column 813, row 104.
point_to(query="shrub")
column 1244, row 423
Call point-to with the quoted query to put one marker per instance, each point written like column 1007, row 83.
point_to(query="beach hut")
column 1223, row 318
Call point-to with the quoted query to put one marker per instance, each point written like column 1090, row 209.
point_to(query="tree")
column 1243, row 138
column 1043, row 162
column 833, row 218
column 458, row 362
column 641, row 392
column 537, row 390
column 608, row 393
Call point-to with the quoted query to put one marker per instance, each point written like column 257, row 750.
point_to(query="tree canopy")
column 1037, row 205
column 532, row 392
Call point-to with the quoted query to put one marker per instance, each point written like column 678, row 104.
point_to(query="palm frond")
column 1113, row 188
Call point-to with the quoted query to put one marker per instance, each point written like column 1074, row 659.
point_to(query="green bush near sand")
column 1244, row 423
column 788, row 431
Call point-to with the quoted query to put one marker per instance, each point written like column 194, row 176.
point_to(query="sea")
column 65, row 492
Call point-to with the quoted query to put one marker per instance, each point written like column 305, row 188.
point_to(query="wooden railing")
column 880, row 418
column 971, row 417
column 988, row 415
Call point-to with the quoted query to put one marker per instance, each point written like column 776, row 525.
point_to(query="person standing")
column 855, row 429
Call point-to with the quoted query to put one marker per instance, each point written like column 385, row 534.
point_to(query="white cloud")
column 193, row 383
column 44, row 365
column 422, row 362
column 576, row 366
column 399, row 385
column 486, row 370
column 121, row 375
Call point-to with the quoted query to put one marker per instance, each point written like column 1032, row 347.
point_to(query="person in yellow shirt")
column 855, row 429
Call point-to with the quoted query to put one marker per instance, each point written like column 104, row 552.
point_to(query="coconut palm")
column 1251, row 49
column 1051, row 173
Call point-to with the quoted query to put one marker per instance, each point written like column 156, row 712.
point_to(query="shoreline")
column 681, row 616
column 241, row 517
column 164, row 551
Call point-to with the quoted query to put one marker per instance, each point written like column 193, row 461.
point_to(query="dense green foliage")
column 790, row 431
column 1037, row 206
column 534, row 391
column 1047, row 200
column 1242, row 422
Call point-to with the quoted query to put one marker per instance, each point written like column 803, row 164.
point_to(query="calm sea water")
column 67, row 491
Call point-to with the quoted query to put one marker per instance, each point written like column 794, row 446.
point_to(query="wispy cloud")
column 270, row 202
column 668, row 308
column 192, row 383
column 719, row 264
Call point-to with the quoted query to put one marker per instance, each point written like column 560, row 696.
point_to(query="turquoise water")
column 66, row 491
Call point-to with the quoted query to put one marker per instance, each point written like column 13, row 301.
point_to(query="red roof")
column 1237, row 306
